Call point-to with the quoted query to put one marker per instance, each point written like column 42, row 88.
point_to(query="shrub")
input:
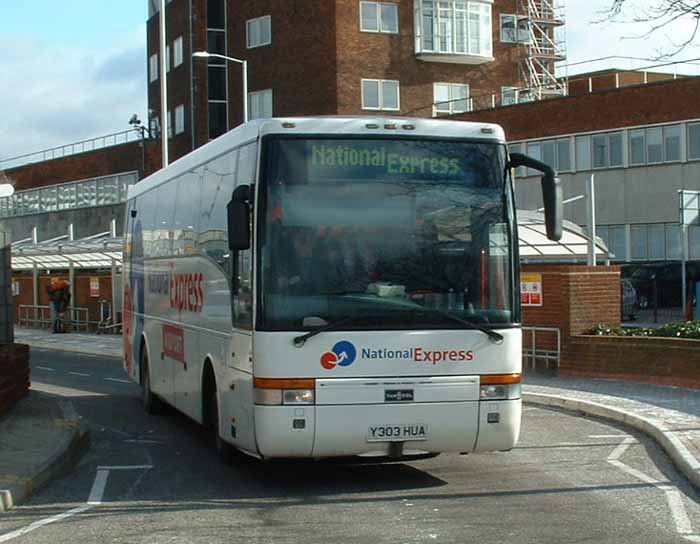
column 689, row 329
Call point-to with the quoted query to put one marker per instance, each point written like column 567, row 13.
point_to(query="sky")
column 76, row 69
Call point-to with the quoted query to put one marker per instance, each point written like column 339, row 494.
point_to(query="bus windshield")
column 384, row 234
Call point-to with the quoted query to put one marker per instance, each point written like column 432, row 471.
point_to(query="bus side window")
column 242, row 299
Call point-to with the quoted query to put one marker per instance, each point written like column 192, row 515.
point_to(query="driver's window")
column 242, row 299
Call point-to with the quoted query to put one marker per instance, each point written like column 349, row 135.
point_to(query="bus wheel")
column 151, row 403
column 223, row 449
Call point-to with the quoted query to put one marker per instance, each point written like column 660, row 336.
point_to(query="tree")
column 662, row 14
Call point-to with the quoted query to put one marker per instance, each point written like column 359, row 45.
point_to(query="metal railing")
column 39, row 317
column 100, row 142
column 87, row 193
column 541, row 344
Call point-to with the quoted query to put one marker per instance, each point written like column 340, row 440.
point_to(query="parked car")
column 630, row 302
column 665, row 279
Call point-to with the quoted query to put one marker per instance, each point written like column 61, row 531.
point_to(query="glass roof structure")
column 536, row 247
column 101, row 250
column 97, row 251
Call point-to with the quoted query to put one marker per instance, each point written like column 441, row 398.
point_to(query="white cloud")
column 589, row 40
column 54, row 95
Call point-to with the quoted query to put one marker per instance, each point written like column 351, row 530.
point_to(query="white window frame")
column 380, row 83
column 380, row 21
column 451, row 99
column 178, row 52
column 259, row 22
column 514, row 18
column 515, row 92
column 153, row 68
column 252, row 113
column 179, row 119
column 445, row 15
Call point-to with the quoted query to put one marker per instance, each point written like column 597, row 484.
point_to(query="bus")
column 326, row 287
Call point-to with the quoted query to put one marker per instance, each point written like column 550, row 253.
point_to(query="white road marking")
column 608, row 435
column 98, row 487
column 673, row 496
column 117, row 380
column 45, row 368
column 79, row 374
column 42, row 522
column 138, row 441
column 622, row 448
column 95, row 499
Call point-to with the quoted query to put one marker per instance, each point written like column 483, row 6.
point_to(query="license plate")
column 397, row 433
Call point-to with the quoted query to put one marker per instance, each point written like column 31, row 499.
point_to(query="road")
column 154, row 479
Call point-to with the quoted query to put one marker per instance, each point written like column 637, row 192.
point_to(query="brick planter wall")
column 14, row 375
column 667, row 361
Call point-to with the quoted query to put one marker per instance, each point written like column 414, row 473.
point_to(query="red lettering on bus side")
column 200, row 291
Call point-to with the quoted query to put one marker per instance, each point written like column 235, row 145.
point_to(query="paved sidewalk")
column 39, row 438
column 108, row 345
column 670, row 415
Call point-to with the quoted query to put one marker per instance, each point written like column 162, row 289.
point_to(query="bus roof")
column 323, row 125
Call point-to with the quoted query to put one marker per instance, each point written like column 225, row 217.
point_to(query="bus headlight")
column 501, row 387
column 291, row 392
column 298, row 396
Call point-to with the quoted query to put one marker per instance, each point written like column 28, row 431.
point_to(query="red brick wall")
column 14, row 375
column 389, row 56
column 575, row 298
column 103, row 162
column 641, row 105
column 667, row 361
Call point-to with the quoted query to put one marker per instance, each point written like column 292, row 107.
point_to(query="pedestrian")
column 59, row 296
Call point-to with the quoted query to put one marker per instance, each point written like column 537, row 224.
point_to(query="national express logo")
column 342, row 354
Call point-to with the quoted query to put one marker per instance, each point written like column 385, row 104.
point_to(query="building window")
column 216, row 14
column 217, row 83
column 639, row 242
column 509, row 32
column 177, row 52
column 564, row 155
column 179, row 119
column 583, row 153
column 170, row 124
column 509, row 96
column 607, row 150
column 259, row 32
column 451, row 98
column 380, row 95
column 153, row 68
column 637, row 147
column 454, row 26
column 379, row 17
column 260, row 104
column 694, row 141
column 218, row 120
column 655, row 145
column 672, row 143
column 167, row 58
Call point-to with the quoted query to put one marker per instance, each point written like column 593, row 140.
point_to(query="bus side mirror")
column 552, row 193
column 238, row 212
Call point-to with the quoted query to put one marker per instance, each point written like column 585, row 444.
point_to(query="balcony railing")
column 88, row 193
column 74, row 148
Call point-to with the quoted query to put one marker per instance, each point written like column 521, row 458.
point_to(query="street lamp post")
column 206, row 55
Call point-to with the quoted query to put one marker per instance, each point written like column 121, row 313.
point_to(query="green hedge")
column 689, row 329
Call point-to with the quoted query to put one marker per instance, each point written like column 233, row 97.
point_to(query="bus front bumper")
column 386, row 429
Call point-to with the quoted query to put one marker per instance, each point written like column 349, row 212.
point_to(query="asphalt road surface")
column 154, row 479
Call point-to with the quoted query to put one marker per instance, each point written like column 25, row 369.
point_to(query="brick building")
column 326, row 57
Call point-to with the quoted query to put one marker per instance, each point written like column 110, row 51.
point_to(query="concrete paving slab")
column 107, row 345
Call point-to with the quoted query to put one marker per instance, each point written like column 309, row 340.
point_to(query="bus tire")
column 224, row 450
column 151, row 403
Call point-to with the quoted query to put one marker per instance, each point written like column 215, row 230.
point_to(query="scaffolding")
column 541, row 31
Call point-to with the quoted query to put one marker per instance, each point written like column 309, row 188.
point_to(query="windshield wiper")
column 300, row 340
column 494, row 336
